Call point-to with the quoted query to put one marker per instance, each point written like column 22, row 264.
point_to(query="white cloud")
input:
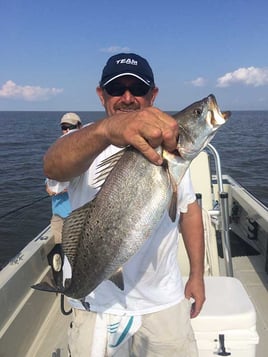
column 29, row 93
column 198, row 82
column 252, row 76
column 115, row 49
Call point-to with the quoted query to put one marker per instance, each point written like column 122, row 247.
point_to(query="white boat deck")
column 51, row 340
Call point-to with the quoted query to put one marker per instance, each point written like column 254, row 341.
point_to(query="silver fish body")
column 117, row 222
column 100, row 237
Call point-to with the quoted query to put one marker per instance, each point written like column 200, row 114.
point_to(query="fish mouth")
column 215, row 117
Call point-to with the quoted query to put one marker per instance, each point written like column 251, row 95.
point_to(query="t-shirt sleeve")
column 186, row 194
column 56, row 186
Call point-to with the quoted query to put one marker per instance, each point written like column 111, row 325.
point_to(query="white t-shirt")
column 152, row 280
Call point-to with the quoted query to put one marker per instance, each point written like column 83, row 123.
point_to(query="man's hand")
column 145, row 130
column 195, row 289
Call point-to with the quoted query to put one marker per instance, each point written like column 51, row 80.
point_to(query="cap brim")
column 70, row 122
column 127, row 74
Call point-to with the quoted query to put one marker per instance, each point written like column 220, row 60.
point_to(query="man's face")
column 125, row 94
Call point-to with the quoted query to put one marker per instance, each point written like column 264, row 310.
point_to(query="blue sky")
column 53, row 51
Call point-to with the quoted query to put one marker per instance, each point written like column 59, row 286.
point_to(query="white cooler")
column 226, row 325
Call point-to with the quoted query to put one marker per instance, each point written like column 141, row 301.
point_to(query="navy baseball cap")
column 127, row 64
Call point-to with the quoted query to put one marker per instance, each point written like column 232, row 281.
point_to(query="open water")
column 25, row 208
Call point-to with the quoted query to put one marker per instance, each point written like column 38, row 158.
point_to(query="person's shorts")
column 167, row 333
column 56, row 228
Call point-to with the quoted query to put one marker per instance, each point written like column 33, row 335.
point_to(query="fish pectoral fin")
column 173, row 207
column 173, row 202
column 118, row 279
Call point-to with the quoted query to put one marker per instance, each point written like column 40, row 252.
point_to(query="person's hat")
column 127, row 64
column 70, row 118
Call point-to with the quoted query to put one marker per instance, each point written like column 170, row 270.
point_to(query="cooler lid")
column 227, row 306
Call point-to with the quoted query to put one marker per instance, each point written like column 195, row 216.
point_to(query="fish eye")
column 197, row 112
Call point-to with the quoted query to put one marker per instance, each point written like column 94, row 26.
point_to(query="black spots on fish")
column 89, row 232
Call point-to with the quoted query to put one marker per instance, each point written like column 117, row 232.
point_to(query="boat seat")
column 201, row 179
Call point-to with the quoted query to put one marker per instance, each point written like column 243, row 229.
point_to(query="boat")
column 234, row 319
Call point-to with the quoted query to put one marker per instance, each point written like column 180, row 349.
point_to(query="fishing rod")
column 22, row 207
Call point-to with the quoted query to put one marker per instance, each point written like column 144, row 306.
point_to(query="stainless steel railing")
column 223, row 213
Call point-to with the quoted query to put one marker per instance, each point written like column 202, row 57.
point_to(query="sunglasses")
column 116, row 89
column 70, row 127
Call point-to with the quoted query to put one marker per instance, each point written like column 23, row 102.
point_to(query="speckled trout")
column 101, row 236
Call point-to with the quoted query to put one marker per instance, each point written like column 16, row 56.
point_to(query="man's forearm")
column 72, row 154
column 191, row 227
column 145, row 129
column 192, row 230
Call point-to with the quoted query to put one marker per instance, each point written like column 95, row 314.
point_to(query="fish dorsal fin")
column 106, row 165
column 72, row 230
column 118, row 279
column 173, row 202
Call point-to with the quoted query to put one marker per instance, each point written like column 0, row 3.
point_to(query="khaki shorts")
column 167, row 333
column 56, row 228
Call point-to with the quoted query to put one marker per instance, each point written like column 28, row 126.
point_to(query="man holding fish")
column 123, row 279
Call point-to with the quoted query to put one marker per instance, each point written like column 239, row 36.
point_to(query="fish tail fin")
column 45, row 286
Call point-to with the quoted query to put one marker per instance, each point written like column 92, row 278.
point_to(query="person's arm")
column 191, row 227
column 72, row 154
column 49, row 191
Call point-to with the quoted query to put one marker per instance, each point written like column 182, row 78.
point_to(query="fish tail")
column 44, row 286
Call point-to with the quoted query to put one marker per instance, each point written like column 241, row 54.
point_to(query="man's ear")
column 154, row 94
column 99, row 91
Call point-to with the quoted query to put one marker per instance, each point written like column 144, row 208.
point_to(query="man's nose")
column 128, row 96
